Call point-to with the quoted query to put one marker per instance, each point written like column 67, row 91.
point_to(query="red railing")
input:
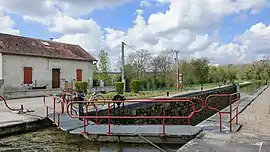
column 54, row 109
column 109, row 117
column 19, row 110
column 231, row 108
column 203, row 105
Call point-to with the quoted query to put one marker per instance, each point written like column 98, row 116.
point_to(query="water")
column 53, row 140
column 250, row 88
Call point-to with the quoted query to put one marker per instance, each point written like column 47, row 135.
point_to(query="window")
column 27, row 75
column 79, row 74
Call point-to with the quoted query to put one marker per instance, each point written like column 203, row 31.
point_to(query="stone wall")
column 172, row 108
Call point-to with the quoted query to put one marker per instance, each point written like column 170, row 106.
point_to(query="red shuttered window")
column 27, row 79
column 79, row 74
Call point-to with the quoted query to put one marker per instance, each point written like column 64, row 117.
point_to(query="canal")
column 53, row 140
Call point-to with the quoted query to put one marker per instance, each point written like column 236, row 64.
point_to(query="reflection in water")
column 53, row 140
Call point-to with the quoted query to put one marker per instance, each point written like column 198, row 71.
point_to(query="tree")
column 140, row 62
column 103, row 66
column 200, row 69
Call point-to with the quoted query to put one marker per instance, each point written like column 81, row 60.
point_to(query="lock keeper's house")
column 30, row 66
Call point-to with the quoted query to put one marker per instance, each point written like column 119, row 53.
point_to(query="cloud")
column 43, row 11
column 69, row 25
column 145, row 3
column 7, row 24
column 190, row 26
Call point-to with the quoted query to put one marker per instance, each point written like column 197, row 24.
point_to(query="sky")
column 224, row 31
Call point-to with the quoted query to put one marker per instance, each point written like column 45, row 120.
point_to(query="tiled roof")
column 18, row 45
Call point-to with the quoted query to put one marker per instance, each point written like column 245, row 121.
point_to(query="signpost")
column 180, row 81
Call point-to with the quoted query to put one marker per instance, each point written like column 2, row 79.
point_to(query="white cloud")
column 7, row 24
column 43, row 11
column 145, row 3
column 191, row 26
column 69, row 25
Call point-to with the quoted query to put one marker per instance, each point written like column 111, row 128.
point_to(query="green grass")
column 162, row 92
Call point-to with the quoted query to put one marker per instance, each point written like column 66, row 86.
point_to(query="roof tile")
column 18, row 45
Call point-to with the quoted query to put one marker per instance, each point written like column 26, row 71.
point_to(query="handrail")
column 5, row 102
column 227, row 112
column 109, row 117
column 20, row 110
column 54, row 110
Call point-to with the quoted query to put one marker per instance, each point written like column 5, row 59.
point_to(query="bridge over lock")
column 107, row 123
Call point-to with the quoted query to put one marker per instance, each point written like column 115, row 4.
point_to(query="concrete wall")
column 42, row 70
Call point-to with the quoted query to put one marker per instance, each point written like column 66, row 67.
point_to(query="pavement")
column 8, row 117
column 254, row 135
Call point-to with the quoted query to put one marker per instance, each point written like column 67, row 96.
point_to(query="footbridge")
column 104, row 124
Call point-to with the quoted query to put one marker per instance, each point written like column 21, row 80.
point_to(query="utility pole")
column 176, row 60
column 123, row 65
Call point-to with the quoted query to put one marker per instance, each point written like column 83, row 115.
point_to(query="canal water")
column 53, row 140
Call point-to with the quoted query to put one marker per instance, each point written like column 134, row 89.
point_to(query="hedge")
column 81, row 86
column 119, row 86
column 135, row 86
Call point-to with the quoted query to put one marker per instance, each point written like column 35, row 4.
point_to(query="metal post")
column 176, row 60
column 54, row 110
column 123, row 66
column 81, row 98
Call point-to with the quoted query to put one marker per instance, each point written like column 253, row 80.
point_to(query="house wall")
column 13, row 73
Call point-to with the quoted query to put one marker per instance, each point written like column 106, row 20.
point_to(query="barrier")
column 109, row 116
column 203, row 104
column 59, row 113
column 231, row 109
column 19, row 110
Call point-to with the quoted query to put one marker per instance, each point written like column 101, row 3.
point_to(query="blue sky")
column 171, row 24
column 122, row 17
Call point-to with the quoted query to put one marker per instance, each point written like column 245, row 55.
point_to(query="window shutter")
column 79, row 74
column 27, row 75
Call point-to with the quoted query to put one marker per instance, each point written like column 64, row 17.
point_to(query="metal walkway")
column 136, row 130
column 66, row 120
column 65, row 123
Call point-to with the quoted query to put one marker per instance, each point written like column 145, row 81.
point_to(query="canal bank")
column 253, row 114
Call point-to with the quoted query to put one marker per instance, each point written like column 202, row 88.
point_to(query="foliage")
column 119, row 86
column 81, row 86
column 159, row 71
column 135, row 86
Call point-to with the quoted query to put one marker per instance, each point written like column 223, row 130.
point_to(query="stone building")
column 29, row 64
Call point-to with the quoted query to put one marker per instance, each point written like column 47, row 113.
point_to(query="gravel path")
column 256, row 117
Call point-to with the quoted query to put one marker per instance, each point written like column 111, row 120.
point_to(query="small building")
column 28, row 62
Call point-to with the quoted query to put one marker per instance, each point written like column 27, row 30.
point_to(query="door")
column 55, row 78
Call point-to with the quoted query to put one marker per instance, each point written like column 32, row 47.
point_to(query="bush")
column 119, row 86
column 135, row 86
column 81, row 86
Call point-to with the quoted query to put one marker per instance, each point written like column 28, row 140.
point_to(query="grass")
column 162, row 92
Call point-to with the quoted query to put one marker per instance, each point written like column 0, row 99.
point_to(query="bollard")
column 201, row 86
column 168, row 93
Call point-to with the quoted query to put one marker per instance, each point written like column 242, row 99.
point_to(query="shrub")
column 119, row 86
column 81, row 86
column 135, row 86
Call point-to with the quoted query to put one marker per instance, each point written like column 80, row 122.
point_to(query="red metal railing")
column 54, row 109
column 109, row 117
column 19, row 110
column 231, row 108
